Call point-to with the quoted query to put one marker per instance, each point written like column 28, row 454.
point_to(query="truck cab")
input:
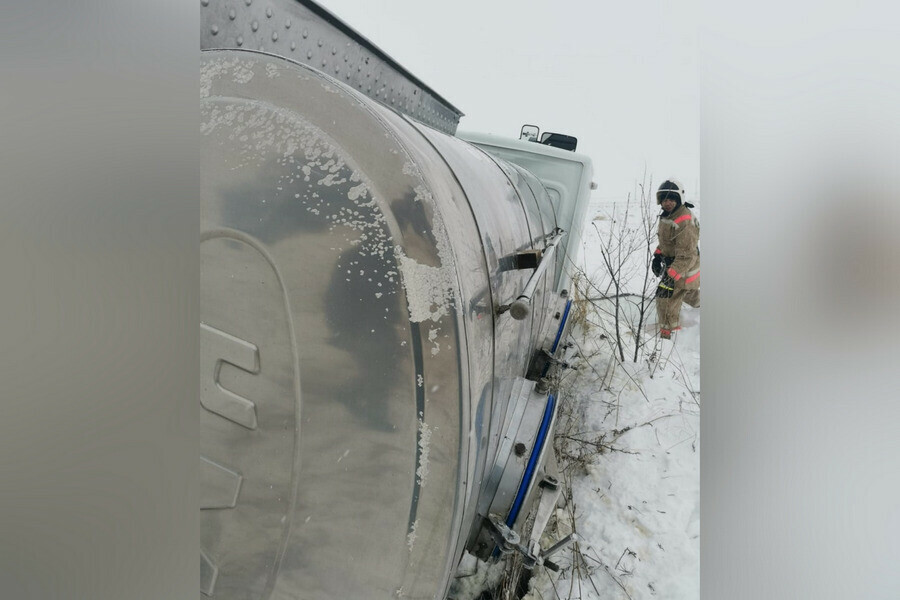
column 565, row 174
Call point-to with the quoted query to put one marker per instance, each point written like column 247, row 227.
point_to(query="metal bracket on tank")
column 544, row 363
column 508, row 541
column 540, row 364
column 521, row 307
column 528, row 259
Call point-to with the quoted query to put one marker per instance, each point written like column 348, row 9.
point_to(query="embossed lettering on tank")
column 249, row 426
column 218, row 347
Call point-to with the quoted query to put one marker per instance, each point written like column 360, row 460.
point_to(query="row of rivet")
column 254, row 25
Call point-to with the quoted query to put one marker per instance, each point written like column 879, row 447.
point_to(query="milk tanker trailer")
column 382, row 308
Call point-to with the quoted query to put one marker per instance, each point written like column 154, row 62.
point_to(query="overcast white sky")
column 620, row 76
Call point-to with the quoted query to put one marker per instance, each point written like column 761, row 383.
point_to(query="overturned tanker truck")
column 383, row 305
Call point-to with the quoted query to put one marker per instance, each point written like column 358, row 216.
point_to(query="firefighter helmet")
column 670, row 188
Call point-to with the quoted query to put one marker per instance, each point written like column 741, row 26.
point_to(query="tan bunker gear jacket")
column 679, row 234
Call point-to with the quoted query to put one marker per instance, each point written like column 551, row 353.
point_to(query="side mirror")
column 529, row 133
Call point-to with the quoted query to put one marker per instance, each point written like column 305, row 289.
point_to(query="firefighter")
column 677, row 257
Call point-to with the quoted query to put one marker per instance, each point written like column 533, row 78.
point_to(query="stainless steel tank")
column 360, row 378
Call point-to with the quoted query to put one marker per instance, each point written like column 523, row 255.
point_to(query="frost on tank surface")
column 337, row 194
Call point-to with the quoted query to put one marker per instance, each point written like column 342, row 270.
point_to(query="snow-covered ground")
column 630, row 448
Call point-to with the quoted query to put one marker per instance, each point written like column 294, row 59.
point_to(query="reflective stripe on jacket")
column 679, row 234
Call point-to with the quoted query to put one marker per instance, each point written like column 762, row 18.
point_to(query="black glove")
column 657, row 265
column 660, row 264
column 666, row 287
